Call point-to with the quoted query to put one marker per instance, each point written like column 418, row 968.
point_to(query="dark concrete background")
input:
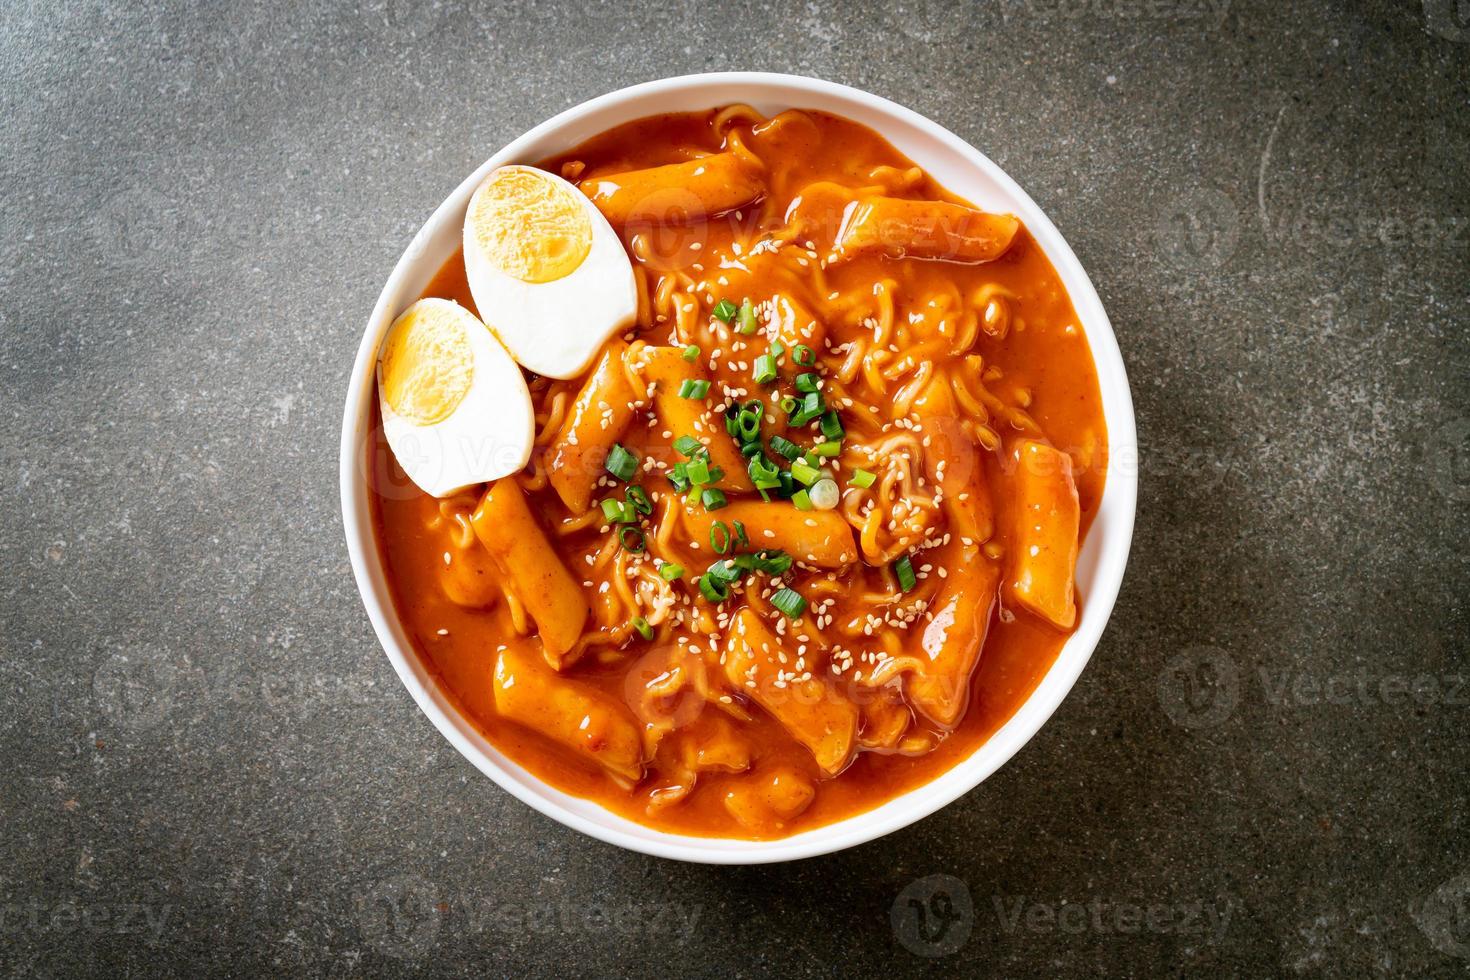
column 209, row 766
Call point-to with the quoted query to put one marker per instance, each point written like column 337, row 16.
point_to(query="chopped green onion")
column 805, row 473
column 788, row 485
column 828, row 449
column 691, row 353
column 748, row 425
column 631, row 538
column 669, row 571
column 862, row 479
column 725, row 310
column 621, row 463
column 715, row 583
column 713, row 499
column 807, row 382
column 616, row 512
column 824, row 494
column 763, row 472
column 698, row 471
column 802, row 500
column 772, row 560
column 765, row 369
column 747, row 319
column 687, row 446
column 726, row 570
column 638, row 500
column 788, row 404
column 713, row 589
column 741, row 540
column 679, row 476
column 832, row 425
column 641, row 625
column 786, row 447
column 748, row 422
column 790, row 602
column 904, row 569
column 803, row 355
column 690, row 388
column 777, row 348
column 719, row 537
column 811, row 407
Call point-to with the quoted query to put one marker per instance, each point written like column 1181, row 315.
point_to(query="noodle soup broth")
column 816, row 654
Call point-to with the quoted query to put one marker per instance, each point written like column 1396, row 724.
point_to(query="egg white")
column 488, row 435
column 556, row 328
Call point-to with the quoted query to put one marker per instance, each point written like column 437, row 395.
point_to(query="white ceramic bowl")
column 960, row 168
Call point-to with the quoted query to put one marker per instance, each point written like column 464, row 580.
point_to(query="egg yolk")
column 427, row 365
column 530, row 227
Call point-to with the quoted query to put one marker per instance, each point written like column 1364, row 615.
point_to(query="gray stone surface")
column 209, row 766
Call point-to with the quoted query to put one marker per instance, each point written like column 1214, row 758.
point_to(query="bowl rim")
column 1108, row 544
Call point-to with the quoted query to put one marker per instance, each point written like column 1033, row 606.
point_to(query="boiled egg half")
column 456, row 411
column 547, row 272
